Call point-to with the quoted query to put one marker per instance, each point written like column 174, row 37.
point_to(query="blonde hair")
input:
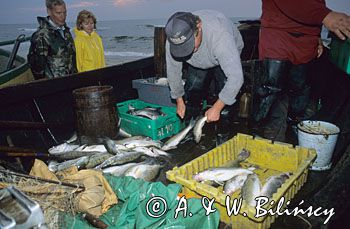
column 85, row 15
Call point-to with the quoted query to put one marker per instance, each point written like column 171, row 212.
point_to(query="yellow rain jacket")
column 89, row 51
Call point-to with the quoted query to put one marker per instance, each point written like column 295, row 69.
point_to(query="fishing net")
column 54, row 199
column 63, row 194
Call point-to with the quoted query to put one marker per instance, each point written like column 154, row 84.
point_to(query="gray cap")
column 180, row 30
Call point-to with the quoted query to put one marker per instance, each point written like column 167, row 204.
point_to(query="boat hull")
column 20, row 74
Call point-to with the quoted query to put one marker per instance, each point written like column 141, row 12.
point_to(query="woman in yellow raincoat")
column 88, row 44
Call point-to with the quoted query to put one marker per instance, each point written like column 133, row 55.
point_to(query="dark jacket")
column 290, row 30
column 51, row 55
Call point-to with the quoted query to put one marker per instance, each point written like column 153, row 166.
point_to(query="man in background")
column 52, row 51
column 206, row 40
column 289, row 40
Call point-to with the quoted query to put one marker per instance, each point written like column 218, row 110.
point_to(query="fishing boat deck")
column 49, row 102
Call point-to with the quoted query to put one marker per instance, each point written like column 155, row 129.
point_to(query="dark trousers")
column 197, row 87
column 283, row 92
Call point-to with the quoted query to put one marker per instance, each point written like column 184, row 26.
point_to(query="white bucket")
column 321, row 136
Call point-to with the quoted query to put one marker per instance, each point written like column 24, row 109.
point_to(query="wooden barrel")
column 96, row 116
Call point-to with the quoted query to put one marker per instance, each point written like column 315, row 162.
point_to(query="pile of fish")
column 252, row 187
column 154, row 113
column 234, row 178
column 138, row 156
column 146, row 112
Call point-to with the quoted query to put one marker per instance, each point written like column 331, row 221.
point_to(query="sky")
column 26, row 11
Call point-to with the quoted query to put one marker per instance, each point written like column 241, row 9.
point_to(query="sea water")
column 123, row 40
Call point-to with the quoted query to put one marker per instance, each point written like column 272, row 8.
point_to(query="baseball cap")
column 180, row 30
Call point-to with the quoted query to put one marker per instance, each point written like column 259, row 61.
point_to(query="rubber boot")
column 298, row 92
column 275, row 128
column 275, row 72
column 293, row 102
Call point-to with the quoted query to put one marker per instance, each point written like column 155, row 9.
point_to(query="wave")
column 27, row 29
column 146, row 25
column 158, row 25
column 131, row 38
column 144, row 38
column 103, row 28
column 122, row 38
column 150, row 26
column 128, row 54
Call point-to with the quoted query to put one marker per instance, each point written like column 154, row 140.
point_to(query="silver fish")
column 125, row 140
column 120, row 158
column 197, row 130
column 273, row 183
column 99, row 148
column 64, row 147
column 146, row 142
column 69, row 155
column 147, row 151
column 159, row 152
column 251, row 189
column 144, row 171
column 176, row 139
column 52, row 166
column 80, row 148
column 242, row 156
column 220, row 175
column 79, row 163
column 119, row 170
column 161, row 81
column 112, row 147
column 147, row 112
column 148, row 108
column 123, row 133
column 97, row 159
column 73, row 138
column 235, row 183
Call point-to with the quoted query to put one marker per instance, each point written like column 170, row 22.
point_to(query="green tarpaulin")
column 130, row 212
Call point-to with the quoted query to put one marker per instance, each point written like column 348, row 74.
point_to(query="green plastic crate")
column 340, row 54
column 162, row 127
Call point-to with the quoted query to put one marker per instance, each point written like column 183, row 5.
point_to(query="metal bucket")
column 96, row 116
column 321, row 136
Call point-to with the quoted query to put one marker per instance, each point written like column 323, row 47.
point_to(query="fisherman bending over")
column 206, row 40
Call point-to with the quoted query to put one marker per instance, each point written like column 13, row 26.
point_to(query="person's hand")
column 180, row 107
column 319, row 48
column 338, row 23
column 213, row 114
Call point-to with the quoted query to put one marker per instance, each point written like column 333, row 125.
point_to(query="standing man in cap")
column 52, row 51
column 206, row 40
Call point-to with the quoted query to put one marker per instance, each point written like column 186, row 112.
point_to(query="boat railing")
column 22, row 38
column 16, row 43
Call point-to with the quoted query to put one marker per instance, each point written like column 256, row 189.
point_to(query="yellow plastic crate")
column 272, row 159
